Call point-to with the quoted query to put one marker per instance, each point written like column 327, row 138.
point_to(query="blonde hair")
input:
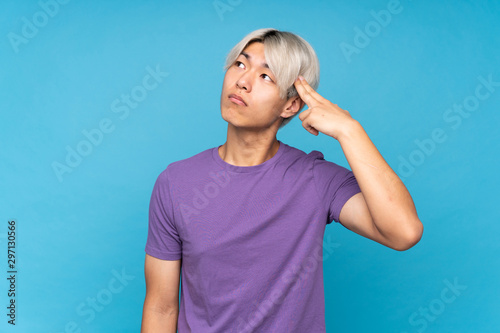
column 288, row 56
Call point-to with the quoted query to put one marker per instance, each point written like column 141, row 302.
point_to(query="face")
column 250, row 96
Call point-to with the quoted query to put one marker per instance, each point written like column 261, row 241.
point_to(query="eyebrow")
column 246, row 55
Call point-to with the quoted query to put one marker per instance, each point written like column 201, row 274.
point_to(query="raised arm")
column 384, row 210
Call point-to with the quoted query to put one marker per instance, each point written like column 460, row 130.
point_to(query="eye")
column 238, row 63
column 269, row 78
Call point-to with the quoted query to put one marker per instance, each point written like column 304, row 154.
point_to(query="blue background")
column 76, row 232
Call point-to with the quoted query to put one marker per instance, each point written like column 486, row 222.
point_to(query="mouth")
column 237, row 99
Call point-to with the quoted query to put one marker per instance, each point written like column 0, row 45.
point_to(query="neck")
column 246, row 148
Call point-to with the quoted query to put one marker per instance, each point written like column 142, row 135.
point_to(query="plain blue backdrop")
column 422, row 77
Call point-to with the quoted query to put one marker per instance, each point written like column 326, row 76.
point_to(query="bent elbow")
column 412, row 238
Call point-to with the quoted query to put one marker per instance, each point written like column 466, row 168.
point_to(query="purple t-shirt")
column 250, row 238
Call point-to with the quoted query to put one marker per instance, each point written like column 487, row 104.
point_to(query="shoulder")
column 294, row 153
column 313, row 161
column 315, row 158
column 325, row 168
column 310, row 157
column 293, row 162
column 191, row 165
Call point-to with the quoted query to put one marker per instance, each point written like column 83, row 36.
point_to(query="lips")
column 237, row 99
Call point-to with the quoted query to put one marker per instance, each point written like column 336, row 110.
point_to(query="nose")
column 244, row 81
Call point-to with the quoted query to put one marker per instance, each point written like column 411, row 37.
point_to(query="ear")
column 292, row 106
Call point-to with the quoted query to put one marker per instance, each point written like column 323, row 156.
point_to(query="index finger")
column 310, row 90
column 306, row 95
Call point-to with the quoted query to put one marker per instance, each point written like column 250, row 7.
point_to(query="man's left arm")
column 384, row 210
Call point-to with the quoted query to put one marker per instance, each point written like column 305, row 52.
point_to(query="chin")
column 227, row 114
column 229, row 110
column 232, row 115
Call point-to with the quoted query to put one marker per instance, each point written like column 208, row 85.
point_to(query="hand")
column 322, row 115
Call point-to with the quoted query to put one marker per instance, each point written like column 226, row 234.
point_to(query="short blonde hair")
column 288, row 56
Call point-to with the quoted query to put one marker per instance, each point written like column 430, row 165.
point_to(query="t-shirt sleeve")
column 163, row 240
column 335, row 185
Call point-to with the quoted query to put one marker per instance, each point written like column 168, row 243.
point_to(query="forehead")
column 254, row 52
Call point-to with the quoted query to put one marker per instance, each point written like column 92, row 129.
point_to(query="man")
column 246, row 219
